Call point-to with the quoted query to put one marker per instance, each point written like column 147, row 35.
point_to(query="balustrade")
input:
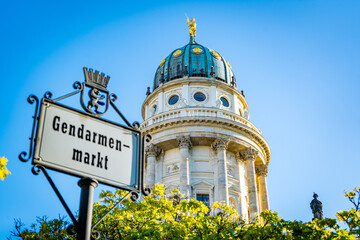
column 198, row 112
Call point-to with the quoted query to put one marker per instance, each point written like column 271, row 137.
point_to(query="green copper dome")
column 194, row 60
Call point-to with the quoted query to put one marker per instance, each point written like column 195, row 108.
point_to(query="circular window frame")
column 154, row 106
column 200, row 90
column 196, row 92
column 151, row 107
column 171, row 94
column 227, row 99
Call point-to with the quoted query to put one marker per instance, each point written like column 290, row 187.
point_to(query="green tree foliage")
column 352, row 217
column 43, row 229
column 159, row 217
column 3, row 170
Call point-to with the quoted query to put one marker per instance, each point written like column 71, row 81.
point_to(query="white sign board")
column 86, row 146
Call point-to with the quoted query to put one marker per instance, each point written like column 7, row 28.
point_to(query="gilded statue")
column 192, row 26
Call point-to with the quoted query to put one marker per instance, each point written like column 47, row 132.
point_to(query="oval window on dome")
column 162, row 62
column 173, row 99
column 216, row 55
column 224, row 102
column 177, row 53
column 199, row 96
column 197, row 50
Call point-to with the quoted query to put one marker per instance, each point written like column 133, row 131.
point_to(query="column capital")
column 248, row 154
column 184, row 141
column 152, row 150
column 220, row 144
column 261, row 170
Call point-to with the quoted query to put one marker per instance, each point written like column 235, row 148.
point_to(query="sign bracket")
column 36, row 170
column 98, row 101
column 22, row 156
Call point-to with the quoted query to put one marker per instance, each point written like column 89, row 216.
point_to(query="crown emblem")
column 96, row 79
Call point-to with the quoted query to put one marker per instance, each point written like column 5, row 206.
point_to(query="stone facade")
column 205, row 149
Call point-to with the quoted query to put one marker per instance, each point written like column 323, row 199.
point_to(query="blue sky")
column 297, row 62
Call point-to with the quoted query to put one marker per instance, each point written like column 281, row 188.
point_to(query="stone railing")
column 198, row 112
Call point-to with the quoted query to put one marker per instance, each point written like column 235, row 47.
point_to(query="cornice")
column 211, row 121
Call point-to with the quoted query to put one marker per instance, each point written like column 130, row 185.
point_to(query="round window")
column 154, row 108
column 199, row 96
column 173, row 99
column 224, row 102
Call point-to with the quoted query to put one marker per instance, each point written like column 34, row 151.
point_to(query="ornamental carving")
column 152, row 150
column 249, row 153
column 184, row 141
column 172, row 168
column 220, row 144
column 261, row 170
column 230, row 171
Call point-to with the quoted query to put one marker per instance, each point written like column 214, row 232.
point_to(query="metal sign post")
column 86, row 207
column 83, row 144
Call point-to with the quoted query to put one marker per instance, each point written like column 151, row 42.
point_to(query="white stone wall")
column 213, row 90
column 199, row 163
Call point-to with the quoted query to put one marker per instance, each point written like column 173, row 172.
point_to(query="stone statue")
column 192, row 26
column 316, row 207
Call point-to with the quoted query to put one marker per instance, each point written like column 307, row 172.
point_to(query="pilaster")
column 151, row 151
column 261, row 172
column 242, row 186
column 220, row 146
column 184, row 143
column 248, row 156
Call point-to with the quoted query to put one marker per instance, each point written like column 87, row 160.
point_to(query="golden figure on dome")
column 192, row 26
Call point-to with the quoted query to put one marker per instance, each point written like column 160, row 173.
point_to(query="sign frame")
column 37, row 160
column 95, row 106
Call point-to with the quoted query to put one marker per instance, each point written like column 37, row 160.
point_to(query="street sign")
column 84, row 145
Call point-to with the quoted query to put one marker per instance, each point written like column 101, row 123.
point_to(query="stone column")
column 248, row 156
column 152, row 151
column 184, row 143
column 241, row 176
column 261, row 172
column 220, row 145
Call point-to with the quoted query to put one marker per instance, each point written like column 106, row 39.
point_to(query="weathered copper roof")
column 193, row 60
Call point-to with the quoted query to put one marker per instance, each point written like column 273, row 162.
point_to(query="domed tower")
column 202, row 140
